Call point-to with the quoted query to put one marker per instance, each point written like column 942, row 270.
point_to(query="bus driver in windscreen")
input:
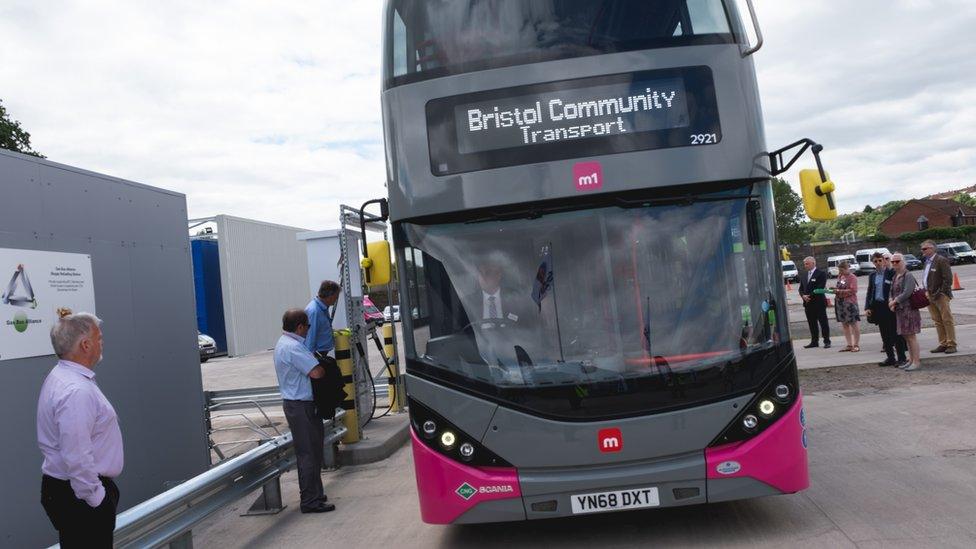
column 492, row 301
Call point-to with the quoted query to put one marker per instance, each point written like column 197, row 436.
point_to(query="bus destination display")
column 566, row 119
column 616, row 109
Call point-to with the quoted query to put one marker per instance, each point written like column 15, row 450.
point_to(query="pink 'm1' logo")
column 588, row 176
column 610, row 440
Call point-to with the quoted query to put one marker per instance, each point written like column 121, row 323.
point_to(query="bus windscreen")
column 573, row 118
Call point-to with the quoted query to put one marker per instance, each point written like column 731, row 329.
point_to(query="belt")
column 321, row 354
column 68, row 482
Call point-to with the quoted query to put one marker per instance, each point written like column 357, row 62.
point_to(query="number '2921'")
column 703, row 138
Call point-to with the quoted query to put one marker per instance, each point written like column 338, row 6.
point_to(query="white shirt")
column 78, row 431
column 293, row 362
column 928, row 267
column 485, row 303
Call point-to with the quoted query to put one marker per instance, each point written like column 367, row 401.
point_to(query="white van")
column 790, row 274
column 958, row 252
column 864, row 259
column 834, row 260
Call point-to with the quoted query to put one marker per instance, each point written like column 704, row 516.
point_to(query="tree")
column 789, row 213
column 12, row 136
column 868, row 209
column 967, row 199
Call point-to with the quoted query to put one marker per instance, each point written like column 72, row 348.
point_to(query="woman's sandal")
column 845, row 349
column 856, row 349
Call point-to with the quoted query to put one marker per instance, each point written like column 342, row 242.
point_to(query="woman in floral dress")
column 846, row 308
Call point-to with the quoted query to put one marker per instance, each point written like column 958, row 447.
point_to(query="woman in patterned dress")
column 908, row 319
column 846, row 308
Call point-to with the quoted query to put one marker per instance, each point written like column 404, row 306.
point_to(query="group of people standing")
column 894, row 298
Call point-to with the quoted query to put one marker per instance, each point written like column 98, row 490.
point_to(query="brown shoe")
column 939, row 349
column 950, row 350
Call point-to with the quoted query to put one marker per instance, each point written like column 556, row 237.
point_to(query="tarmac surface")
column 892, row 464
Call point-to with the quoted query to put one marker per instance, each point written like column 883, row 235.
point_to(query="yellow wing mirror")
column 815, row 185
column 818, row 195
column 377, row 266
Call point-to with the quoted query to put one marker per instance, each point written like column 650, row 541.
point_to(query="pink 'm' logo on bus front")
column 610, row 440
column 588, row 176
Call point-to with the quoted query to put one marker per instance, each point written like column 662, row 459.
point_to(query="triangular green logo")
column 466, row 491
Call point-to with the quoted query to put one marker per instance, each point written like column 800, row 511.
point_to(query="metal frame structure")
column 365, row 391
column 247, row 399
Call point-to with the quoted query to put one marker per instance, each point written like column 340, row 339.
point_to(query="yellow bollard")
column 343, row 355
column 394, row 369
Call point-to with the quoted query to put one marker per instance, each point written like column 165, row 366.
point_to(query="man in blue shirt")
column 320, row 340
column 296, row 367
column 876, row 308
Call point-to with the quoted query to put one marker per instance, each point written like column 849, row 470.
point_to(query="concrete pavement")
column 871, row 349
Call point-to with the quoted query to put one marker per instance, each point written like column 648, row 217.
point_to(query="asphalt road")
column 892, row 463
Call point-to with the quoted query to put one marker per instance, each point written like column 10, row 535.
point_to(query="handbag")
column 918, row 299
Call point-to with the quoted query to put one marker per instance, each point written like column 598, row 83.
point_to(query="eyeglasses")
column 896, row 261
column 926, row 247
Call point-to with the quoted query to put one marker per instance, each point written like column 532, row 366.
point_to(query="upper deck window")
column 434, row 38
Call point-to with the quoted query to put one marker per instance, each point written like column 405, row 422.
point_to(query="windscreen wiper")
column 682, row 200
column 531, row 213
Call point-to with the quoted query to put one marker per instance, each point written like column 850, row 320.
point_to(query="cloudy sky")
column 270, row 110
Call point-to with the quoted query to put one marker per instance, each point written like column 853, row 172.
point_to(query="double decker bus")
column 583, row 224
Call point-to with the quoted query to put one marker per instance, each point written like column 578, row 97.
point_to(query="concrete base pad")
column 382, row 437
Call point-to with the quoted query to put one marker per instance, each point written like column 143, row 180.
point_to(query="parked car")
column 392, row 314
column 371, row 312
column 834, row 260
column 790, row 274
column 913, row 263
column 207, row 345
column 957, row 252
column 865, row 266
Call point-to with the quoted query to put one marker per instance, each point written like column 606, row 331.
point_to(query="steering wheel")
column 493, row 321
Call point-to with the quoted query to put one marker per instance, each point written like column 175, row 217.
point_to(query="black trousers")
column 78, row 524
column 891, row 342
column 308, row 433
column 816, row 312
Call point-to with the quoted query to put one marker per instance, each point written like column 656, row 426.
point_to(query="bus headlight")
column 437, row 433
column 768, row 405
column 448, row 439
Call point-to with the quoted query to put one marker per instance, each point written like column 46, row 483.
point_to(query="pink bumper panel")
column 777, row 456
column 449, row 488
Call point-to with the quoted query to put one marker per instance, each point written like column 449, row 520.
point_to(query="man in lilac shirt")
column 78, row 433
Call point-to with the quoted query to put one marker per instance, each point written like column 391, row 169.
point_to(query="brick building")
column 934, row 212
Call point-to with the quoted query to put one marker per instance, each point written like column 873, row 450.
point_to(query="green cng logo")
column 20, row 321
column 466, row 491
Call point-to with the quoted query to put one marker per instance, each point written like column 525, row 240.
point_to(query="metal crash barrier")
column 169, row 518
